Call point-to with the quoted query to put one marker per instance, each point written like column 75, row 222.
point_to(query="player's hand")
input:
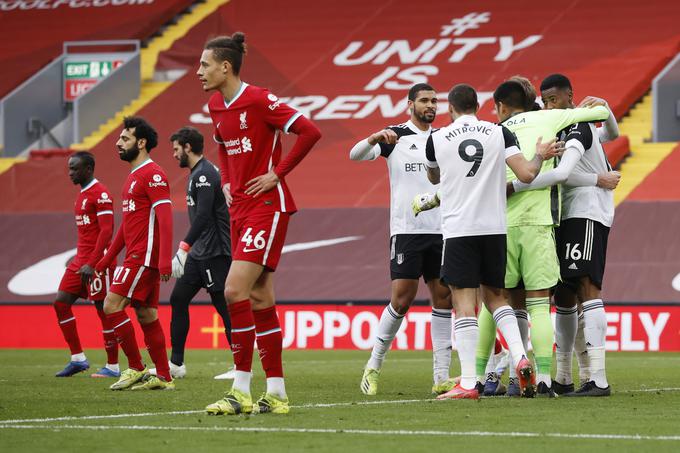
column 592, row 101
column 609, row 180
column 387, row 136
column 226, row 190
column 178, row 263
column 102, row 264
column 165, row 277
column 86, row 272
column 261, row 184
column 549, row 149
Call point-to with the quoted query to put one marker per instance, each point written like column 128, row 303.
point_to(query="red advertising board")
column 630, row 328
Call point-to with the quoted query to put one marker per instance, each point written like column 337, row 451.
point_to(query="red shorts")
column 259, row 238
column 138, row 283
column 96, row 291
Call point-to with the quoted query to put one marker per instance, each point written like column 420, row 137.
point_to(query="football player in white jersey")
column 415, row 242
column 587, row 215
column 469, row 158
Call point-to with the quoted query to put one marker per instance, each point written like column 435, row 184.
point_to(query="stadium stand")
column 351, row 77
column 38, row 31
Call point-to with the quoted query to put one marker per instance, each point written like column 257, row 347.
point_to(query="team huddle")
column 515, row 227
column 496, row 219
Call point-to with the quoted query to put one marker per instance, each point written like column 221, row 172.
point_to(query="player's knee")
column 235, row 294
column 588, row 290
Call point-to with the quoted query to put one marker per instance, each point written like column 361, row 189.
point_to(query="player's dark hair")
column 142, row 130
column 512, row 94
column 85, row 157
column 417, row 88
column 229, row 48
column 463, row 98
column 529, row 90
column 189, row 135
column 555, row 81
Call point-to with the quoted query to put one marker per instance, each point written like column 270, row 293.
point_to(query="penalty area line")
column 368, row 432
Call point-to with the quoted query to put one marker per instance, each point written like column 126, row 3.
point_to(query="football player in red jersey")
column 94, row 221
column 248, row 123
column 146, row 234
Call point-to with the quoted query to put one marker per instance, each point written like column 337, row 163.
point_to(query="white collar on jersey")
column 240, row 91
column 417, row 130
column 148, row 161
column 92, row 183
column 466, row 118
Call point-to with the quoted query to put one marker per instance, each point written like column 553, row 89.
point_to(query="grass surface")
column 329, row 413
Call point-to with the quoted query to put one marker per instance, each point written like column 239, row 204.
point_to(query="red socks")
column 125, row 334
column 110, row 343
column 242, row 334
column 269, row 341
column 67, row 324
column 498, row 347
column 155, row 344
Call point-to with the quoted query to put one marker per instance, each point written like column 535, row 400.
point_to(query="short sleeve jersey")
column 93, row 202
column 471, row 158
column 145, row 188
column 408, row 178
column 249, row 127
column 542, row 206
column 206, row 199
column 588, row 202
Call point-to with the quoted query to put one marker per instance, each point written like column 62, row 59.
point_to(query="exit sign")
column 80, row 76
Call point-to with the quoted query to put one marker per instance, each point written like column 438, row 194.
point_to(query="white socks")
column 242, row 381
column 113, row 367
column 467, row 337
column 507, row 323
column 276, row 386
column 566, row 325
column 80, row 357
column 582, row 352
column 595, row 331
column 440, row 333
column 389, row 324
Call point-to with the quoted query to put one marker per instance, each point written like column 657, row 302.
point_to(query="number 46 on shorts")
column 253, row 243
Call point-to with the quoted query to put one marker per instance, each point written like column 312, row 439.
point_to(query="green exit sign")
column 90, row 69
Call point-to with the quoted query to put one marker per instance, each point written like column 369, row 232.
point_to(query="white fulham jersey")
column 587, row 202
column 408, row 178
column 471, row 158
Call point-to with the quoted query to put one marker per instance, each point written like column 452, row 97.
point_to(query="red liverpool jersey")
column 248, row 129
column 93, row 201
column 145, row 188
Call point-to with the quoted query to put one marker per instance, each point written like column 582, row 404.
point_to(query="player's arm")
column 609, row 180
column 204, row 197
column 224, row 167
column 526, row 170
column 567, row 117
column 159, row 196
column 112, row 252
column 105, row 222
column 285, row 118
column 579, row 139
column 380, row 143
column 610, row 128
column 431, row 162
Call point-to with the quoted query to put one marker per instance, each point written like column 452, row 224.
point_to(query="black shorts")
column 473, row 260
column 415, row 255
column 582, row 250
column 210, row 274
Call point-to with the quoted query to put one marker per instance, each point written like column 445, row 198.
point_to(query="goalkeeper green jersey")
column 542, row 206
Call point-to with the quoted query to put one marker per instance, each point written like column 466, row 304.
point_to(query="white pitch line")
column 302, row 406
column 349, row 431
column 153, row 414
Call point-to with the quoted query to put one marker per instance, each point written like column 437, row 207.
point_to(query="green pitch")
column 41, row 413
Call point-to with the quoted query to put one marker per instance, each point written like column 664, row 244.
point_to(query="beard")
column 425, row 117
column 130, row 154
column 184, row 161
